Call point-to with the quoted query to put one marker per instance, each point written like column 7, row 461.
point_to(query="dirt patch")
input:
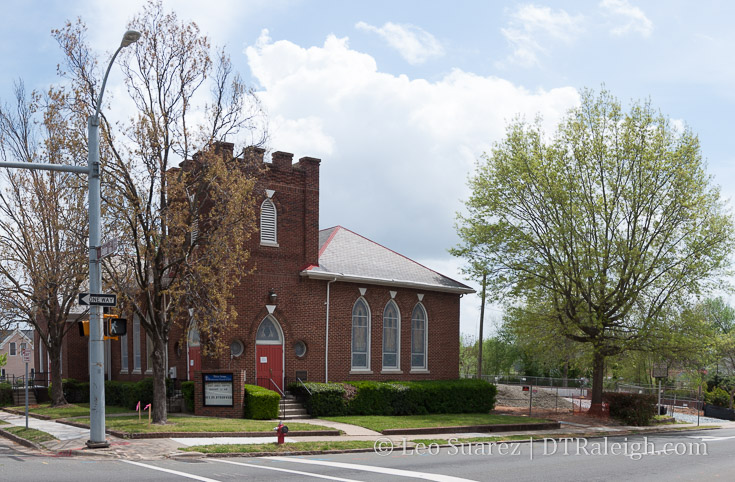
column 559, row 416
column 543, row 398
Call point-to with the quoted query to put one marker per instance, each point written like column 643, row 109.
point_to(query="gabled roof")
column 6, row 335
column 347, row 256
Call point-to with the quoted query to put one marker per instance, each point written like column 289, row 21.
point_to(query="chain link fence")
column 571, row 395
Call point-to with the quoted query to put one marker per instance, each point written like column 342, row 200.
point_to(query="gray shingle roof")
column 347, row 256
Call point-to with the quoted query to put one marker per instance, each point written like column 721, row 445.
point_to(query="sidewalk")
column 72, row 440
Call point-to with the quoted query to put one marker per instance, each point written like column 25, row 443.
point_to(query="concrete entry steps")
column 291, row 409
column 19, row 396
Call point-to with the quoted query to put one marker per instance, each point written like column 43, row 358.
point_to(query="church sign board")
column 218, row 389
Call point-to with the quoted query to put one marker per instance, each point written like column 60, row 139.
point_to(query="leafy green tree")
column 467, row 355
column 541, row 343
column 499, row 355
column 720, row 317
column 610, row 223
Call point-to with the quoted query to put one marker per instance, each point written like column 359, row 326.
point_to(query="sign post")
column 26, row 358
column 660, row 370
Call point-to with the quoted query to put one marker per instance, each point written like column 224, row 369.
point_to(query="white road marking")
column 175, row 472
column 371, row 468
column 709, row 438
column 319, row 476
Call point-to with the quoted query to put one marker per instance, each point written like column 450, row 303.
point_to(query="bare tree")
column 43, row 221
column 182, row 229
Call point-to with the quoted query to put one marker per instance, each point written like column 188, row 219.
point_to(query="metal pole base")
column 97, row 445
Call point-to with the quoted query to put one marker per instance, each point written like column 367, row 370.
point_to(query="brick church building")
column 321, row 305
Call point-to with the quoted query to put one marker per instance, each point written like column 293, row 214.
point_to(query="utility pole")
column 482, row 320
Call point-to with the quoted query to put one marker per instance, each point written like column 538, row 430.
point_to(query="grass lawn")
column 283, row 448
column 380, row 422
column 459, row 441
column 30, row 434
column 184, row 423
column 67, row 411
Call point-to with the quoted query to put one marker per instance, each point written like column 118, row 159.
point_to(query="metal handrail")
column 303, row 385
column 283, row 396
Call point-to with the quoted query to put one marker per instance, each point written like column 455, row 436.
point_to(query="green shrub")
column 717, row 396
column 449, row 396
column 187, row 390
column 120, row 394
column 6, row 394
column 74, row 390
column 326, row 399
column 260, row 403
column 373, row 398
column 397, row 398
column 631, row 408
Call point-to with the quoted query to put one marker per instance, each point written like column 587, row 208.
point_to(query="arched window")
column 360, row 335
column 268, row 231
column 391, row 336
column 269, row 332
column 418, row 337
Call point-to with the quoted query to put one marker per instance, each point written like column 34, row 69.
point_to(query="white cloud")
column 532, row 27
column 634, row 20
column 413, row 43
column 396, row 151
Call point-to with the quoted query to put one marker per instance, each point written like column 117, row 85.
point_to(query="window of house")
column 391, row 335
column 360, row 335
column 136, row 344
column 418, row 337
column 268, row 226
column 12, row 348
column 124, row 353
column 22, row 347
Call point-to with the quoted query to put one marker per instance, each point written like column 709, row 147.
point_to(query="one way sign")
column 97, row 299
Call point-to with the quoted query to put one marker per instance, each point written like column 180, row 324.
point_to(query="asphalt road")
column 693, row 455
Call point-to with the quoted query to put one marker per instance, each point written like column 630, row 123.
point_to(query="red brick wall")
column 443, row 332
column 300, row 306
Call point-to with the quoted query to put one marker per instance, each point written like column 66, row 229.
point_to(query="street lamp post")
column 96, row 337
column 96, row 346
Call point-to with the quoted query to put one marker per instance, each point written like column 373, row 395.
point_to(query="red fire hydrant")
column 281, row 432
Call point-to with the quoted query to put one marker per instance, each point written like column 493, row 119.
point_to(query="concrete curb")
column 153, row 435
column 275, row 454
column 21, row 441
column 511, row 427
column 23, row 414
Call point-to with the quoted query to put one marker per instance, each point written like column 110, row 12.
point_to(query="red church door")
column 269, row 354
column 195, row 360
column 195, row 352
column 269, row 365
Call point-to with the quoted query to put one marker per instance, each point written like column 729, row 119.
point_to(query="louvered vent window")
column 268, row 223
column 194, row 230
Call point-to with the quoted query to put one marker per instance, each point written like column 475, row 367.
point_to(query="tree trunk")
column 159, row 412
column 57, row 389
column 598, row 376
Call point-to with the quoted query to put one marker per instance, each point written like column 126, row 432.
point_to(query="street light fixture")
column 96, row 336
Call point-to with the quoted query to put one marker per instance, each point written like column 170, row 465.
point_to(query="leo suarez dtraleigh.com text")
column 545, row 447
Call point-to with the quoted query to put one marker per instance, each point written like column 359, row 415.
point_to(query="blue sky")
column 399, row 99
